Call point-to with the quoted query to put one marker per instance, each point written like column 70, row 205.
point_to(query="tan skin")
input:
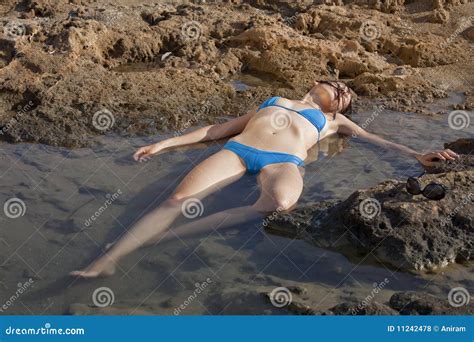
column 280, row 184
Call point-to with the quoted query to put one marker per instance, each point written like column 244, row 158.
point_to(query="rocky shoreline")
column 387, row 225
column 60, row 84
column 404, row 231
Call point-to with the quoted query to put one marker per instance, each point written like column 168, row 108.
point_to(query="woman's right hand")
column 431, row 158
column 144, row 153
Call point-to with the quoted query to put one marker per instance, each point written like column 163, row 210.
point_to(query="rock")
column 464, row 162
column 439, row 16
column 399, row 71
column 417, row 303
column 78, row 309
column 350, row 68
column 355, row 309
column 461, row 146
column 408, row 232
column 298, row 308
column 67, row 57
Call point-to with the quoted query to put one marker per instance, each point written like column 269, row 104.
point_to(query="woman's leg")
column 218, row 170
column 281, row 186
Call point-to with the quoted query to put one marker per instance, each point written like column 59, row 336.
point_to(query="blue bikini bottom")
column 256, row 159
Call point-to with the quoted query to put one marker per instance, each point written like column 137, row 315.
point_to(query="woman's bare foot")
column 102, row 267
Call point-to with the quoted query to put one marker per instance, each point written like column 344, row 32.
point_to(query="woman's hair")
column 341, row 90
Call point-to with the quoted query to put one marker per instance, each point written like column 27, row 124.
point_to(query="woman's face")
column 326, row 95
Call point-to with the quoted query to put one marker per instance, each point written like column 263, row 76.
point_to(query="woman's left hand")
column 144, row 153
column 431, row 158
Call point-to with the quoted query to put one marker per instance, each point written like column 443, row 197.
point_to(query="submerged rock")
column 417, row 303
column 355, row 309
column 408, row 232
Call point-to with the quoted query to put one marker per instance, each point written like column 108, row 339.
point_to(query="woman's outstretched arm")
column 207, row 133
column 346, row 126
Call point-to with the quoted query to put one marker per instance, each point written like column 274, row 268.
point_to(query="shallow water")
column 62, row 189
column 252, row 78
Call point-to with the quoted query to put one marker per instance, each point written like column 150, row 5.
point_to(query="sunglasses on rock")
column 433, row 191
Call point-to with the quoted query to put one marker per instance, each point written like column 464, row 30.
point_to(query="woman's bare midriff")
column 292, row 134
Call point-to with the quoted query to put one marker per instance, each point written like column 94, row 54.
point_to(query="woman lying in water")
column 271, row 141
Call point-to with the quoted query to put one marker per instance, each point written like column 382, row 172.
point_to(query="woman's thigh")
column 215, row 172
column 281, row 186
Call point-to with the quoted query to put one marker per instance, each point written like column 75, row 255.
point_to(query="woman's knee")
column 174, row 200
column 285, row 203
column 279, row 204
column 179, row 198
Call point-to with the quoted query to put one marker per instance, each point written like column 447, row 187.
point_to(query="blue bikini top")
column 315, row 116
